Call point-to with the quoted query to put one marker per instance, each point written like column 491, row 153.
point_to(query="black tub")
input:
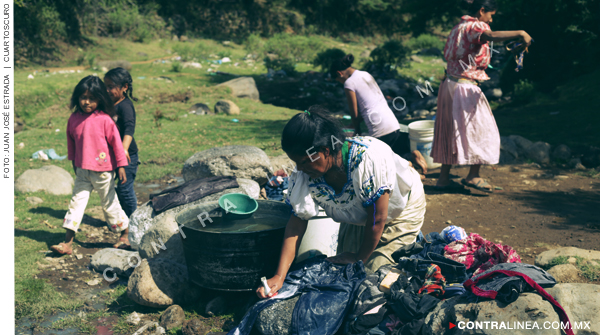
column 232, row 261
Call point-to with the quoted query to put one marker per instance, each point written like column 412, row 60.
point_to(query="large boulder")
column 243, row 87
column 227, row 107
column 465, row 310
column 539, row 152
column 509, row 152
column 241, row 161
column 282, row 162
column 163, row 240
column 522, row 143
column 562, row 152
column 565, row 273
column 161, row 283
column 580, row 302
column 277, row 318
column 121, row 262
column 50, row 178
column 545, row 258
column 145, row 217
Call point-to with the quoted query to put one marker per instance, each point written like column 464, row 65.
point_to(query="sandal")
column 122, row 245
column 60, row 249
column 481, row 185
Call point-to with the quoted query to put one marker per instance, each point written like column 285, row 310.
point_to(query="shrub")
column 326, row 58
column 523, row 91
column 184, row 50
column 290, row 49
column 424, row 41
column 389, row 56
column 253, row 44
column 176, row 67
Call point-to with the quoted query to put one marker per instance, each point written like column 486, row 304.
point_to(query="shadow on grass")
column 58, row 214
column 578, row 208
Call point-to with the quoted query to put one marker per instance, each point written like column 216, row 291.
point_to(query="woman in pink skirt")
column 465, row 128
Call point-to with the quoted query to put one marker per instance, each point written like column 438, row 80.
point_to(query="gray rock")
column 111, row 64
column 389, row 86
column 122, row 262
column 539, row 152
column 509, row 152
column 50, row 178
column 522, row 143
column 561, row 152
column 591, row 158
column 493, row 94
column 529, row 307
column 575, row 162
column 544, row 259
column 565, row 273
column 195, row 327
column 200, row 109
column 416, row 59
column 172, row 317
column 276, row 319
column 580, row 302
column 163, row 240
column 34, row 200
column 226, row 107
column 161, row 283
column 236, row 160
column 145, row 218
column 243, row 87
column 282, row 162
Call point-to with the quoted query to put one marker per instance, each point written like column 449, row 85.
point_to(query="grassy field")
column 167, row 135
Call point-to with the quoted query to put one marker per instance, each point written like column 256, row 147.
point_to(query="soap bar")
column 390, row 279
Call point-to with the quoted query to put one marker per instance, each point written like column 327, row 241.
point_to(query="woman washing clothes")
column 465, row 128
column 364, row 96
column 375, row 194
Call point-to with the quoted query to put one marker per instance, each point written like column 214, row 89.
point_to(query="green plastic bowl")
column 237, row 205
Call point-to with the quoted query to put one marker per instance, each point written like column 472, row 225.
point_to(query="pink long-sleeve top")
column 94, row 143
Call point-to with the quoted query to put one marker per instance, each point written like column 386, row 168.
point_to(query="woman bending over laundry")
column 375, row 194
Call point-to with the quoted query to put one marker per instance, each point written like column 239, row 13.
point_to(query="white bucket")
column 320, row 238
column 420, row 134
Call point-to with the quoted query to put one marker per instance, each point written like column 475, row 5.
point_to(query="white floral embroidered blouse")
column 372, row 169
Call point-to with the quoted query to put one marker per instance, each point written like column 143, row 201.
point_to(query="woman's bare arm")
column 501, row 36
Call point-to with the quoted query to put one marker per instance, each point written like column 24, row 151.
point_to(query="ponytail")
column 120, row 76
column 341, row 65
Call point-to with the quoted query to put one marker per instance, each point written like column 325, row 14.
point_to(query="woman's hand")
column 274, row 283
column 128, row 158
column 122, row 175
column 526, row 39
column 344, row 258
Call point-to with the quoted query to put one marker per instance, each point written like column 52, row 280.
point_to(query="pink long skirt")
column 465, row 129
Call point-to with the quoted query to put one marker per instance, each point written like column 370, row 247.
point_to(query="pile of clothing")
column 396, row 299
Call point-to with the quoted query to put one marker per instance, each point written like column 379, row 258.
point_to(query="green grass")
column 588, row 271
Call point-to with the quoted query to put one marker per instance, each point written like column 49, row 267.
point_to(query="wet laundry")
column 275, row 187
column 326, row 295
column 479, row 254
column 190, row 191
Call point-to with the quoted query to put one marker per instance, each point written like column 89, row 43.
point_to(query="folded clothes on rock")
column 479, row 254
column 435, row 283
column 326, row 294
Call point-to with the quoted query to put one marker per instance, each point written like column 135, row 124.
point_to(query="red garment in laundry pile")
column 479, row 254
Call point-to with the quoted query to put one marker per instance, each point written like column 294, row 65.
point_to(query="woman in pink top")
column 465, row 128
column 96, row 150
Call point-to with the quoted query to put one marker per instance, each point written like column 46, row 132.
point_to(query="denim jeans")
column 327, row 292
column 125, row 192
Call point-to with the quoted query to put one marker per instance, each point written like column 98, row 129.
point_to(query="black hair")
column 341, row 65
column 120, row 76
column 473, row 6
column 98, row 90
column 313, row 129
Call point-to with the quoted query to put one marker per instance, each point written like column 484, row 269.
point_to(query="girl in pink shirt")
column 465, row 128
column 95, row 147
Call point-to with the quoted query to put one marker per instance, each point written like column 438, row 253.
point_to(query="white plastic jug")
column 420, row 134
column 320, row 238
